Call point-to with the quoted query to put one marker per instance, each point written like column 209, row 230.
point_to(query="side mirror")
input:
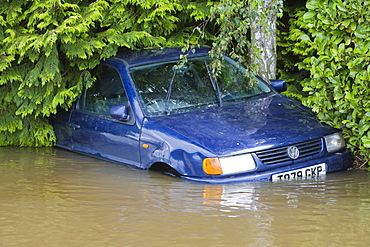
column 279, row 85
column 119, row 112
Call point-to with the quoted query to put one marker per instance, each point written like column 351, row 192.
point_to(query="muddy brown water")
column 52, row 197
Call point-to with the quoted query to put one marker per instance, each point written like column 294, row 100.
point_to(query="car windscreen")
column 173, row 87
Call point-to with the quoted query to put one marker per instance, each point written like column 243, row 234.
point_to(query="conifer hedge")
column 47, row 46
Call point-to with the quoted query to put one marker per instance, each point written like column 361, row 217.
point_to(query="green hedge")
column 329, row 43
column 47, row 48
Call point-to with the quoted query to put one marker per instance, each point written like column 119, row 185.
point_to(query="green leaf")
column 309, row 14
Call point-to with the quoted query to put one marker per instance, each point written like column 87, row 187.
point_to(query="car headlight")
column 229, row 165
column 334, row 142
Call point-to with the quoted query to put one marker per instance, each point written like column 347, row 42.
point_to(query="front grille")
column 279, row 155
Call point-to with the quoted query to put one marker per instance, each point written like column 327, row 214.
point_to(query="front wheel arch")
column 165, row 169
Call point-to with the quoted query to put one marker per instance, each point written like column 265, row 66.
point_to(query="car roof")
column 141, row 57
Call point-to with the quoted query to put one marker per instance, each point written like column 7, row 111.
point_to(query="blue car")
column 150, row 110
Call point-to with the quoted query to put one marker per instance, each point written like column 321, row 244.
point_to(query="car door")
column 94, row 131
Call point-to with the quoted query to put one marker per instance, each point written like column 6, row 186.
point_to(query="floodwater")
column 52, row 197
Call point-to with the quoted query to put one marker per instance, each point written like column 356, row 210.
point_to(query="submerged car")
column 151, row 110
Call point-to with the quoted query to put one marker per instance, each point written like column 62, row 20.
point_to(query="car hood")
column 254, row 125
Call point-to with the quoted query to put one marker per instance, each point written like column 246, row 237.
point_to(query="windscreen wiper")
column 168, row 96
column 214, row 83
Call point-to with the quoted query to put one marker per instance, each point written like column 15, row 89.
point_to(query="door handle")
column 75, row 126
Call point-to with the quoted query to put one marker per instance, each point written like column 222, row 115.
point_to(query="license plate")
column 307, row 172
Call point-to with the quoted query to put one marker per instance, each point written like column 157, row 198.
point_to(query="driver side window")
column 107, row 91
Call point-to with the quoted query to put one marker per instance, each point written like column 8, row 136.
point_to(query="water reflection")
column 51, row 197
column 236, row 196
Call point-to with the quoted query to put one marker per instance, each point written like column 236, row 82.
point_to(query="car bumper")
column 336, row 162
